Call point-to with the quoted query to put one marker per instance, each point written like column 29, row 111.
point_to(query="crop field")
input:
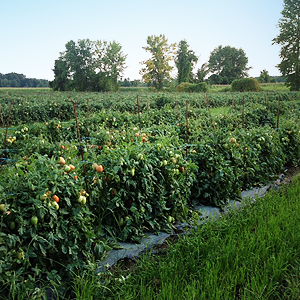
column 81, row 171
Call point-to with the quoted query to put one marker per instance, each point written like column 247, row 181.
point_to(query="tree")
column 264, row 76
column 289, row 39
column 226, row 64
column 202, row 72
column 80, row 63
column 61, row 75
column 109, row 64
column 157, row 69
column 185, row 61
column 88, row 65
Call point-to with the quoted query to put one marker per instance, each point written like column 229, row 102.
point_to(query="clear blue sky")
column 34, row 32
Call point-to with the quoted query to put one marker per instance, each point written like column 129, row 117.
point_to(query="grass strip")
column 252, row 253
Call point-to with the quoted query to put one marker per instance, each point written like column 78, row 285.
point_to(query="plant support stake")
column 278, row 112
column 243, row 113
column 187, row 127
column 87, row 117
column 81, row 149
column 1, row 115
column 138, row 109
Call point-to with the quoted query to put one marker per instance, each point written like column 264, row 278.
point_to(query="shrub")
column 245, row 85
column 183, row 86
column 38, row 234
column 198, row 87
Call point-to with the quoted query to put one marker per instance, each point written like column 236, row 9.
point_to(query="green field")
column 82, row 171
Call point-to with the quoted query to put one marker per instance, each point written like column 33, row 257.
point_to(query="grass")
column 250, row 254
column 220, row 110
column 275, row 87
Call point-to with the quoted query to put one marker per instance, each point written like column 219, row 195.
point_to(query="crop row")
column 30, row 106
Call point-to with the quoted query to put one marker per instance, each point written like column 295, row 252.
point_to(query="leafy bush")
column 183, row 87
column 198, row 87
column 245, row 85
column 43, row 225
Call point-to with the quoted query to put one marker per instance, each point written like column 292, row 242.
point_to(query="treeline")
column 20, row 80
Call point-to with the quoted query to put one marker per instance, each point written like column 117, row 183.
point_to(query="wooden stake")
column 138, row 109
column 278, row 112
column 1, row 115
column 187, row 127
column 87, row 118
column 243, row 113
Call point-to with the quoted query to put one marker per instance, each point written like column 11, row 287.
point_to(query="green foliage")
column 61, row 74
column 264, row 77
column 237, row 251
column 184, row 62
column 139, row 188
column 20, row 80
column 151, row 177
column 245, row 85
column 89, row 66
column 30, row 248
column 226, row 64
column 183, row 86
column 157, row 68
column 289, row 40
column 192, row 87
column 202, row 72
column 198, row 87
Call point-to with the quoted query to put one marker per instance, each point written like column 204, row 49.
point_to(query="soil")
column 290, row 173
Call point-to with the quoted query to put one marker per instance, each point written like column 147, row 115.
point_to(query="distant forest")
column 20, row 80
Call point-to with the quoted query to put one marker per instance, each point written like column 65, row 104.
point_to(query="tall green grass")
column 252, row 253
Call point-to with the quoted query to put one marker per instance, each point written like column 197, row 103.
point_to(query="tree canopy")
column 289, row 39
column 185, row 61
column 89, row 66
column 264, row 76
column 157, row 68
column 226, row 64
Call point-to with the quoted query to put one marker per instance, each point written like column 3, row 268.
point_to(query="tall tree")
column 185, row 61
column 109, row 63
column 226, row 64
column 289, row 39
column 61, row 75
column 157, row 68
column 80, row 63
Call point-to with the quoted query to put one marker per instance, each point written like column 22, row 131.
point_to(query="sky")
column 34, row 32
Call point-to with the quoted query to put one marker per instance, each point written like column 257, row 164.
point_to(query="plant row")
column 33, row 106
